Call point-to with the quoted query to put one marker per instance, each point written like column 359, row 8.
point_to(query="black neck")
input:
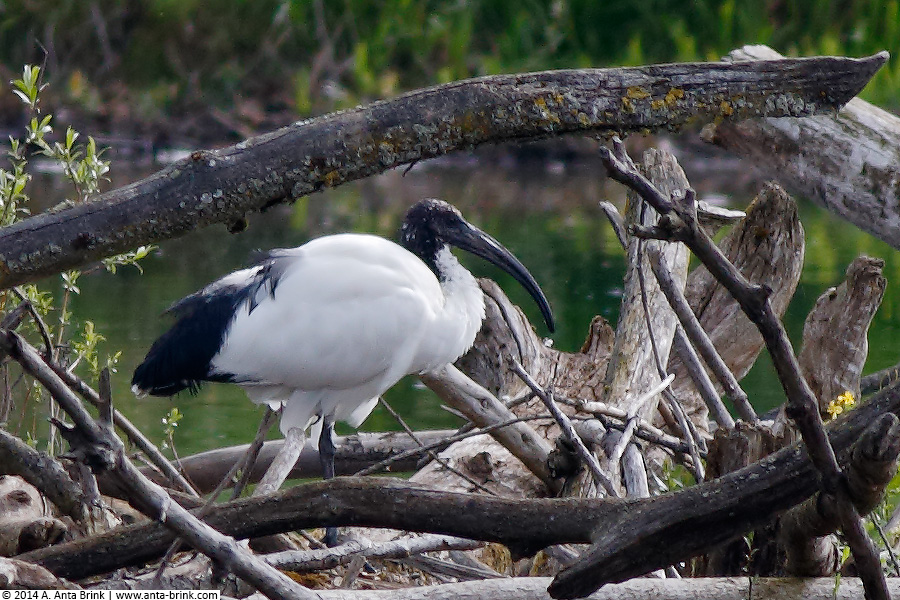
column 417, row 237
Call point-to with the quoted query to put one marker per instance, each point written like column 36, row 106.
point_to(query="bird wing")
column 347, row 311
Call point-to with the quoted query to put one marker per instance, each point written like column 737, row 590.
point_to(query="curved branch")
column 222, row 186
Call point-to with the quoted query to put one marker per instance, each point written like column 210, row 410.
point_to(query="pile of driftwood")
column 558, row 474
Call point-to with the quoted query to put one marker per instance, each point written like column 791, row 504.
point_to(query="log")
column 44, row 472
column 25, row 521
column 712, row 588
column 223, row 186
column 354, row 453
column 809, row 548
column 845, row 163
column 632, row 368
column 20, row 575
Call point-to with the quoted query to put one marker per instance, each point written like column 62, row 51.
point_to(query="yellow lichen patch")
column 842, row 403
column 726, row 109
column 497, row 557
column 545, row 112
column 583, row 119
column 636, row 92
column 332, row 178
column 538, row 565
column 673, row 96
column 657, row 104
column 316, row 581
column 627, row 106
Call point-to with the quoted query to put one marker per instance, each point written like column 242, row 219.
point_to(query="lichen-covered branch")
column 847, row 162
column 223, row 186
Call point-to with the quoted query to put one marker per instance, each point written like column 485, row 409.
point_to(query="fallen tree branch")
column 223, row 186
column 706, row 588
column 767, row 246
column 677, row 525
column 353, row 453
column 845, row 163
column 43, row 472
column 805, row 530
column 483, row 409
column 301, row 561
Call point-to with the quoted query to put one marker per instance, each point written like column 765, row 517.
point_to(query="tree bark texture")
column 25, row 520
column 354, row 453
column 805, row 530
column 632, row 368
column 767, row 247
column 835, row 334
column 847, row 163
column 223, row 186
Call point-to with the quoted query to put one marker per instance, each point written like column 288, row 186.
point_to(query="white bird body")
column 350, row 315
column 321, row 331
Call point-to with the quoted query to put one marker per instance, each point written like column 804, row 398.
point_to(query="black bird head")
column 431, row 224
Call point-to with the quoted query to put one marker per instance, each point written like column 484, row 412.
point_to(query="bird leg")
column 284, row 461
column 326, row 457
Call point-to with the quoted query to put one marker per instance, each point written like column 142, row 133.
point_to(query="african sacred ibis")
column 321, row 331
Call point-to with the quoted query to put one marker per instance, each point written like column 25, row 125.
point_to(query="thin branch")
column 446, row 465
column 700, row 340
column 566, row 425
column 38, row 320
column 133, row 434
column 632, row 422
column 484, row 409
column 300, row 561
column 443, row 443
column 691, row 436
column 245, row 465
column 645, row 430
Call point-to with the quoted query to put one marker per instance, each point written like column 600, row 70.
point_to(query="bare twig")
column 645, row 430
column 631, row 424
column 700, row 340
column 281, row 466
column 566, row 425
column 484, row 409
column 38, row 320
column 383, row 465
column 431, row 453
column 249, row 459
column 307, row 561
column 691, row 436
column 615, row 219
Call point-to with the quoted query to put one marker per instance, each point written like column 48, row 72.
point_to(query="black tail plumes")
column 180, row 358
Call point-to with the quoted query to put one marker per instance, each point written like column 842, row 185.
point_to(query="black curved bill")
column 471, row 239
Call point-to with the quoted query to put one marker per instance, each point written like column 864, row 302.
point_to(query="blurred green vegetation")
column 159, row 57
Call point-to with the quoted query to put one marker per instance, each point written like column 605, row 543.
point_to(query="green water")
column 548, row 218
